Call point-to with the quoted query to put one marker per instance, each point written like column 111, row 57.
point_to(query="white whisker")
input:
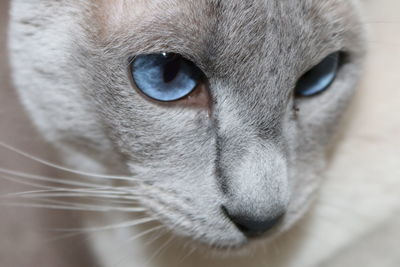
column 133, row 238
column 71, row 235
column 112, row 196
column 52, row 189
column 82, row 194
column 132, row 207
column 24, row 182
column 109, row 227
column 62, row 168
column 81, row 205
column 159, row 250
column 137, row 236
column 187, row 255
column 147, row 243
column 74, row 198
column 68, row 206
column 47, row 179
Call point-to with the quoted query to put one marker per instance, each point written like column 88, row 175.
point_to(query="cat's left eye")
column 320, row 77
column 165, row 77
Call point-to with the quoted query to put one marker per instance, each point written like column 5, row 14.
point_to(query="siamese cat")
column 207, row 121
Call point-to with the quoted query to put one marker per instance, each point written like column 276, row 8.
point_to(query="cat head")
column 238, row 153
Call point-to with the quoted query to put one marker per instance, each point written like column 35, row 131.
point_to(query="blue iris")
column 320, row 77
column 165, row 77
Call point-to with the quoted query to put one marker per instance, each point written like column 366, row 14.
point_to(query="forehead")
column 126, row 9
column 114, row 14
column 217, row 31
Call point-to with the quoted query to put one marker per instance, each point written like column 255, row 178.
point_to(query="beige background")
column 373, row 139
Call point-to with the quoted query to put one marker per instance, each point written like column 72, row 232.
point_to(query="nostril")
column 253, row 226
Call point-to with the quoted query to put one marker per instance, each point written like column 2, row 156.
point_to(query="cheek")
column 306, row 149
column 164, row 137
column 319, row 118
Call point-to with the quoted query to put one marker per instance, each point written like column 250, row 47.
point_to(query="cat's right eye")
column 165, row 77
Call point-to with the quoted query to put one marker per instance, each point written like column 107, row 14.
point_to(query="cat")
column 216, row 116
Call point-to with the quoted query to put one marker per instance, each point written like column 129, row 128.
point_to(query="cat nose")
column 253, row 226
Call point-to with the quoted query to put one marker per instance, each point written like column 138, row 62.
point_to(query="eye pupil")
column 171, row 70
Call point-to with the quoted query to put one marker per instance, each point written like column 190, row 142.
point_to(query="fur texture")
column 259, row 151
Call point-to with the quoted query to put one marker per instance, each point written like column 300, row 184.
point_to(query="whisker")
column 161, row 234
column 109, row 227
column 116, row 190
column 44, row 206
column 159, row 250
column 93, row 194
column 64, row 236
column 137, row 236
column 24, row 182
column 187, row 255
column 119, row 262
column 81, row 194
column 76, row 192
column 109, row 196
column 133, row 238
column 51, row 189
column 122, row 190
column 56, row 193
column 62, row 168
column 74, row 198
column 79, row 204
column 122, row 201
column 47, row 179
column 71, row 235
column 72, row 208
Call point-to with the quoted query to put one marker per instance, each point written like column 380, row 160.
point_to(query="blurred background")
column 25, row 239
column 365, row 170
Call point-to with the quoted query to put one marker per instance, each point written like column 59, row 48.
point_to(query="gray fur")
column 260, row 151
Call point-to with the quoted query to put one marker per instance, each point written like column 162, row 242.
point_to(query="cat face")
column 238, row 158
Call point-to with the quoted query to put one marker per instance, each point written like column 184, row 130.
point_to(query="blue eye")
column 320, row 77
column 165, row 77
